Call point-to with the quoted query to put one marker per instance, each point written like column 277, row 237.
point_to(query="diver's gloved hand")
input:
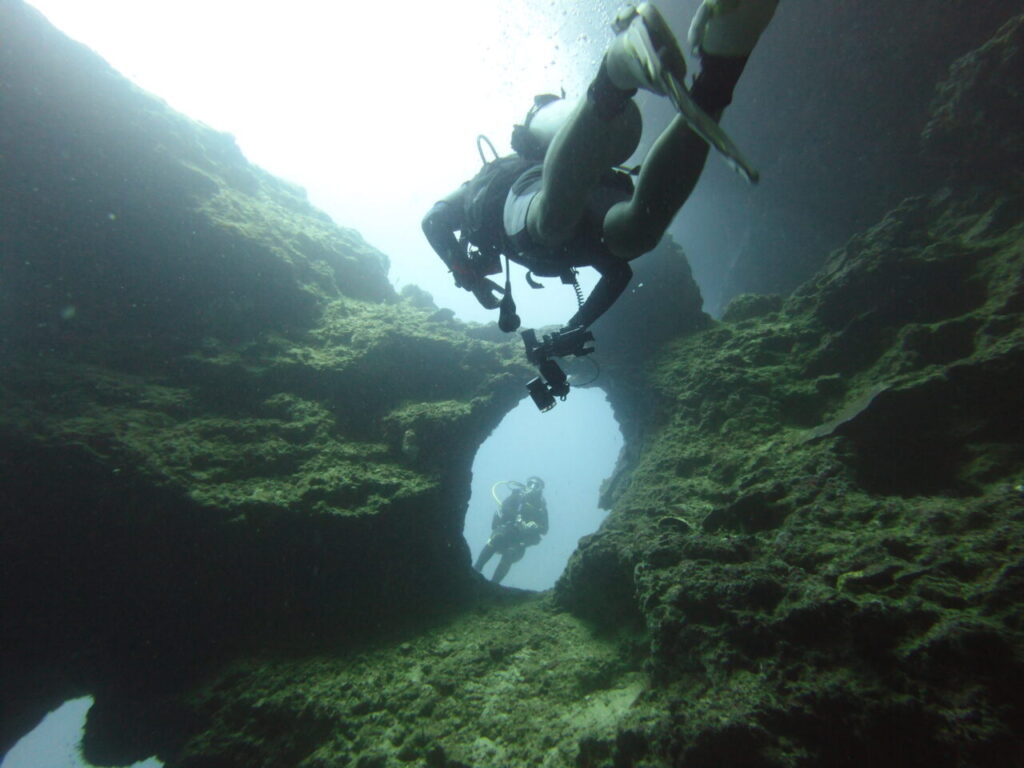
column 463, row 274
column 529, row 533
column 469, row 278
column 464, row 271
column 487, row 292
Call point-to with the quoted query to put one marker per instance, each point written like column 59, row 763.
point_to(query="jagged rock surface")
column 830, row 108
column 825, row 529
column 221, row 428
column 823, row 536
column 240, row 530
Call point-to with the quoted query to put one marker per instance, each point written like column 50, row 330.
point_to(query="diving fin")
column 702, row 124
column 645, row 54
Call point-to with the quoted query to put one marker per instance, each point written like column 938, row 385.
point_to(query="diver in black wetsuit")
column 520, row 522
column 559, row 203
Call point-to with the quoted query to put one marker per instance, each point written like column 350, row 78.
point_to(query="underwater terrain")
column 234, row 464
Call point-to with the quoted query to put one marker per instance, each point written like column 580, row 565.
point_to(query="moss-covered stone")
column 509, row 683
column 233, row 486
column 822, row 525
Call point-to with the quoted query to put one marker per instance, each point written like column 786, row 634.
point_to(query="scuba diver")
column 560, row 202
column 520, row 522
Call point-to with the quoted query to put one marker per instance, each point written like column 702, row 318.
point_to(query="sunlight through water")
column 572, row 448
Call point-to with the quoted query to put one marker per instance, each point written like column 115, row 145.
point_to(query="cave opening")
column 56, row 741
column 573, row 449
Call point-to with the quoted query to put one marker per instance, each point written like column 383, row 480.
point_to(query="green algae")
column 755, row 597
column 822, row 515
column 504, row 684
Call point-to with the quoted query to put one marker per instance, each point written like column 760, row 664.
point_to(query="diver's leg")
column 602, row 131
column 667, row 177
column 502, row 570
column 509, row 557
column 485, row 554
column 724, row 39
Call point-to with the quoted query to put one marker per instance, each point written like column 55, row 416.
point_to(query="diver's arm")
column 439, row 226
column 542, row 518
column 615, row 276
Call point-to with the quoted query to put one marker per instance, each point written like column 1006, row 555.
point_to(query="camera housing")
column 540, row 394
column 552, row 381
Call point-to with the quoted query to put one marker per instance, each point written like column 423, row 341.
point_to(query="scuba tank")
column 530, row 142
column 546, row 116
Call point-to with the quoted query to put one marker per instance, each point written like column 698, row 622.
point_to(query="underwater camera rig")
column 552, row 381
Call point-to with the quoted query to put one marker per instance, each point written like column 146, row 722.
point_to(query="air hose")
column 511, row 483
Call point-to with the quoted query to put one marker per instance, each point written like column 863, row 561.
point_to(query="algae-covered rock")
column 977, row 111
column 509, row 683
column 209, row 390
column 110, row 197
column 750, row 305
column 823, row 518
column 234, row 465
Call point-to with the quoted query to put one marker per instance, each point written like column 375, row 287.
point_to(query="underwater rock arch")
column 210, row 512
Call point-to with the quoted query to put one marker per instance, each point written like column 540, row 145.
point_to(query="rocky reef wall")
column 824, row 536
column 233, row 466
column 221, row 427
column 830, row 108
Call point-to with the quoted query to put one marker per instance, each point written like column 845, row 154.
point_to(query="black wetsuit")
column 511, row 533
column 586, row 248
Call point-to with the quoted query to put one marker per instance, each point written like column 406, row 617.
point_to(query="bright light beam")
column 373, row 109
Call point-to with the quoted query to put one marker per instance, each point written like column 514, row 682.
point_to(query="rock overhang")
column 766, row 528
